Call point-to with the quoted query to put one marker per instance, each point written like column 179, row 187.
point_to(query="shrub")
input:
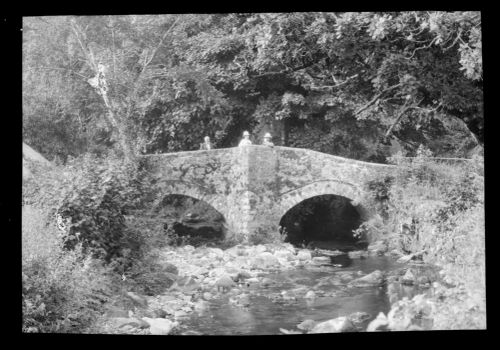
column 95, row 194
column 62, row 290
column 438, row 209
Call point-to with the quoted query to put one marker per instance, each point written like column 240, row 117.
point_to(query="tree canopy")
column 349, row 84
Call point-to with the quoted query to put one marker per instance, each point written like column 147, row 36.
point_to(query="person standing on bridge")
column 267, row 140
column 246, row 139
column 206, row 145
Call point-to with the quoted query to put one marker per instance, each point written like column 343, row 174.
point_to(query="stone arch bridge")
column 254, row 186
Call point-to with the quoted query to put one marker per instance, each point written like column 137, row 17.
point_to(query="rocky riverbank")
column 199, row 275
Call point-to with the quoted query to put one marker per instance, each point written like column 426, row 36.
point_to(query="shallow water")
column 268, row 312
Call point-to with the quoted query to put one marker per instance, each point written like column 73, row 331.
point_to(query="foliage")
column 436, row 210
column 62, row 291
column 169, row 80
column 94, row 194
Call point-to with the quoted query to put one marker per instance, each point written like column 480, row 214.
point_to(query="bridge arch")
column 197, row 192
column 324, row 187
column 323, row 212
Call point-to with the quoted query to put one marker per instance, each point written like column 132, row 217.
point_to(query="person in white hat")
column 245, row 141
column 267, row 140
column 207, row 144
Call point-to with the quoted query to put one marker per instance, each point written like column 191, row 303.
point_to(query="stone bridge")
column 254, row 186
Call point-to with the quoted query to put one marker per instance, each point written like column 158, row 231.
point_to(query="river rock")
column 380, row 323
column 189, row 248
column 304, row 255
column 225, row 283
column 287, row 331
column 288, row 295
column 260, row 248
column 216, row 253
column 321, row 260
column 408, row 278
column 307, row 325
column 285, row 255
column 160, row 326
column 160, row 313
column 374, row 278
column 242, row 275
column 201, row 306
column 336, row 325
column 265, row 260
column 137, row 299
column 128, row 321
column 207, row 296
column 358, row 318
column 252, row 280
column 310, row 295
column 266, row 282
column 171, row 268
column 357, row 254
column 378, row 248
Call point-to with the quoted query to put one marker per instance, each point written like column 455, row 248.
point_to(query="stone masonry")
column 254, row 186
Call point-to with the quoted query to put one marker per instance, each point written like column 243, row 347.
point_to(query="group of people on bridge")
column 245, row 141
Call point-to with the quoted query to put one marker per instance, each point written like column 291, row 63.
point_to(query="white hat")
column 246, row 133
column 267, row 135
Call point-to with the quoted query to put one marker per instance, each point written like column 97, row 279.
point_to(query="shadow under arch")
column 322, row 211
column 182, row 188
column 187, row 211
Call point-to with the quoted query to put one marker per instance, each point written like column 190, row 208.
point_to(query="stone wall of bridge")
column 254, row 186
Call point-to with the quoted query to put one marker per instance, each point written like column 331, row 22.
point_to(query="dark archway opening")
column 325, row 221
column 187, row 220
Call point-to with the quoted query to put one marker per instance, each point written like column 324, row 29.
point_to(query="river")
column 282, row 304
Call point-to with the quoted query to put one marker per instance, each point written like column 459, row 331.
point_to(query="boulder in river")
column 357, row 254
column 225, row 283
column 137, row 299
column 130, row 321
column 358, row 318
column 307, row 325
column 304, row 255
column 310, row 295
column 408, row 278
column 377, row 248
column 321, row 260
column 380, row 323
column 265, row 260
column 374, row 278
column 336, row 325
column 160, row 326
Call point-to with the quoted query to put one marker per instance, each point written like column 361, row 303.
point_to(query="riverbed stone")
column 374, row 278
column 321, row 260
column 160, row 326
column 336, row 325
column 138, row 300
column 408, row 278
column 304, row 255
column 310, row 295
column 285, row 255
column 128, row 321
column 225, row 283
column 357, row 254
column 377, row 248
column 307, row 325
column 359, row 317
column 265, row 260
column 380, row 323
